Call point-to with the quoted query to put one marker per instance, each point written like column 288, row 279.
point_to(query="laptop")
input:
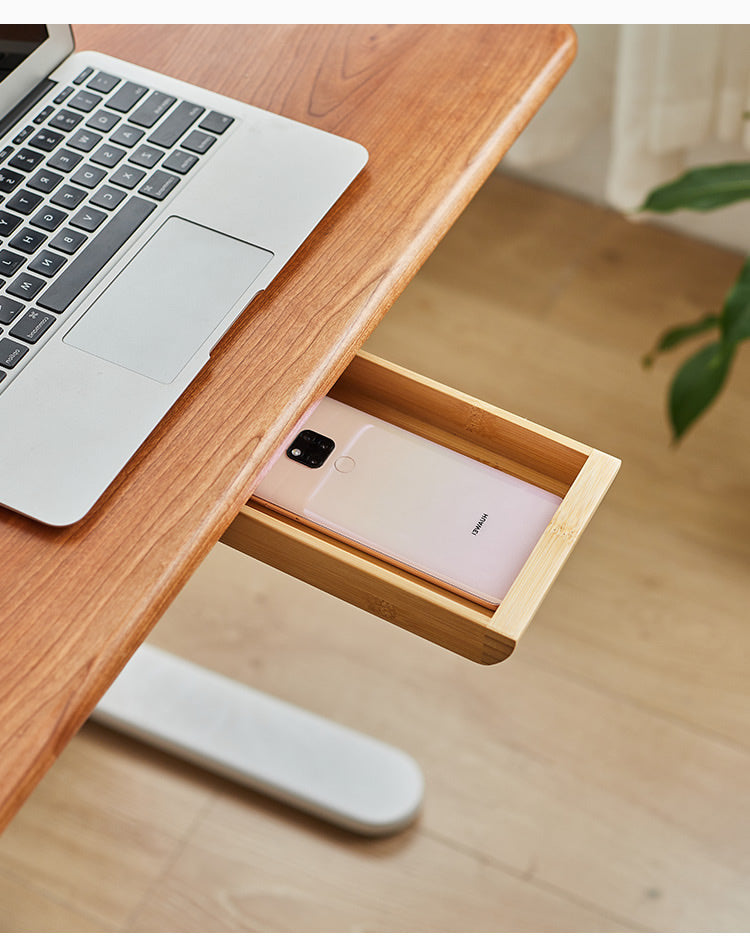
column 139, row 216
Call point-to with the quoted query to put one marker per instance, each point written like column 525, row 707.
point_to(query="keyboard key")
column 107, row 197
column 25, row 286
column 9, row 179
column 102, row 120
column 24, row 201
column 27, row 240
column 216, row 122
column 103, row 82
column 155, row 105
column 84, row 140
column 11, row 352
column 26, row 160
column 8, row 223
column 23, row 134
column 32, row 326
column 10, row 262
column 126, row 135
column 68, row 196
column 126, row 97
column 65, row 160
column 48, row 218
column 85, row 101
column 198, row 142
column 44, row 114
column 44, row 181
column 68, row 241
column 47, row 263
column 180, row 161
column 147, row 156
column 159, row 185
column 171, row 129
column 88, row 175
column 46, row 140
column 65, row 120
column 88, row 219
column 79, row 273
column 108, row 155
column 63, row 95
column 9, row 309
column 127, row 176
column 83, row 75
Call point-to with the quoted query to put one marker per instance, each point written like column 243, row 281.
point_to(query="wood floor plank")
column 240, row 876
column 100, row 828
column 24, row 908
column 529, row 768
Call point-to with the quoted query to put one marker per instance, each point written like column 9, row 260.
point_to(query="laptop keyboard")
column 75, row 184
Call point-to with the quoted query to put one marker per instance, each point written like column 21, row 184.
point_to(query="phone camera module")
column 310, row 448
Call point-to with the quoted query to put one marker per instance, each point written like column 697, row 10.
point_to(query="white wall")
column 568, row 144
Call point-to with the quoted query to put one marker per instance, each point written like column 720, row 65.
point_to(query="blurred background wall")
column 640, row 105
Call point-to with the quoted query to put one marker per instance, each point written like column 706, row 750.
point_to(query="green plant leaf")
column 735, row 316
column 697, row 384
column 681, row 333
column 702, row 189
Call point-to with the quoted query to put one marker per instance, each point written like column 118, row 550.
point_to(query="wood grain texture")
column 436, row 106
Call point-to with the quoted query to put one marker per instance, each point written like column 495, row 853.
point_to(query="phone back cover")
column 406, row 498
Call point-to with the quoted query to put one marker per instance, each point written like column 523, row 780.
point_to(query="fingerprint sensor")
column 344, row 464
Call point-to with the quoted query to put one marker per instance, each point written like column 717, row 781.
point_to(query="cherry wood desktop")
column 436, row 107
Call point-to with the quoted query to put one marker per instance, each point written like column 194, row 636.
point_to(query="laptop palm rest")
column 161, row 308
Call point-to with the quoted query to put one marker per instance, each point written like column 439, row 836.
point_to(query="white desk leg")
column 327, row 770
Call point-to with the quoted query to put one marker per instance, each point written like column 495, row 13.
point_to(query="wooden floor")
column 596, row 781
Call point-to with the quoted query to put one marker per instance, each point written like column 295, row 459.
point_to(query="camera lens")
column 311, row 448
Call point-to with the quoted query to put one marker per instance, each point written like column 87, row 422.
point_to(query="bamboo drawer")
column 577, row 473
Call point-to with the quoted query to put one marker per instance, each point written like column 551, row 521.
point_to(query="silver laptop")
column 139, row 216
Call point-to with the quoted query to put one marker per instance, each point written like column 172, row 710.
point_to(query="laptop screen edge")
column 35, row 67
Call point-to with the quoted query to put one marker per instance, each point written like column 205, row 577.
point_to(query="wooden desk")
column 436, row 106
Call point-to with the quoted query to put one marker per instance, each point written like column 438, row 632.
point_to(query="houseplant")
column 701, row 377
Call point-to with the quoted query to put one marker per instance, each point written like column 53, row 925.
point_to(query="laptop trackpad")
column 157, row 313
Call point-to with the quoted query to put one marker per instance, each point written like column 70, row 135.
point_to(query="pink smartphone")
column 408, row 500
